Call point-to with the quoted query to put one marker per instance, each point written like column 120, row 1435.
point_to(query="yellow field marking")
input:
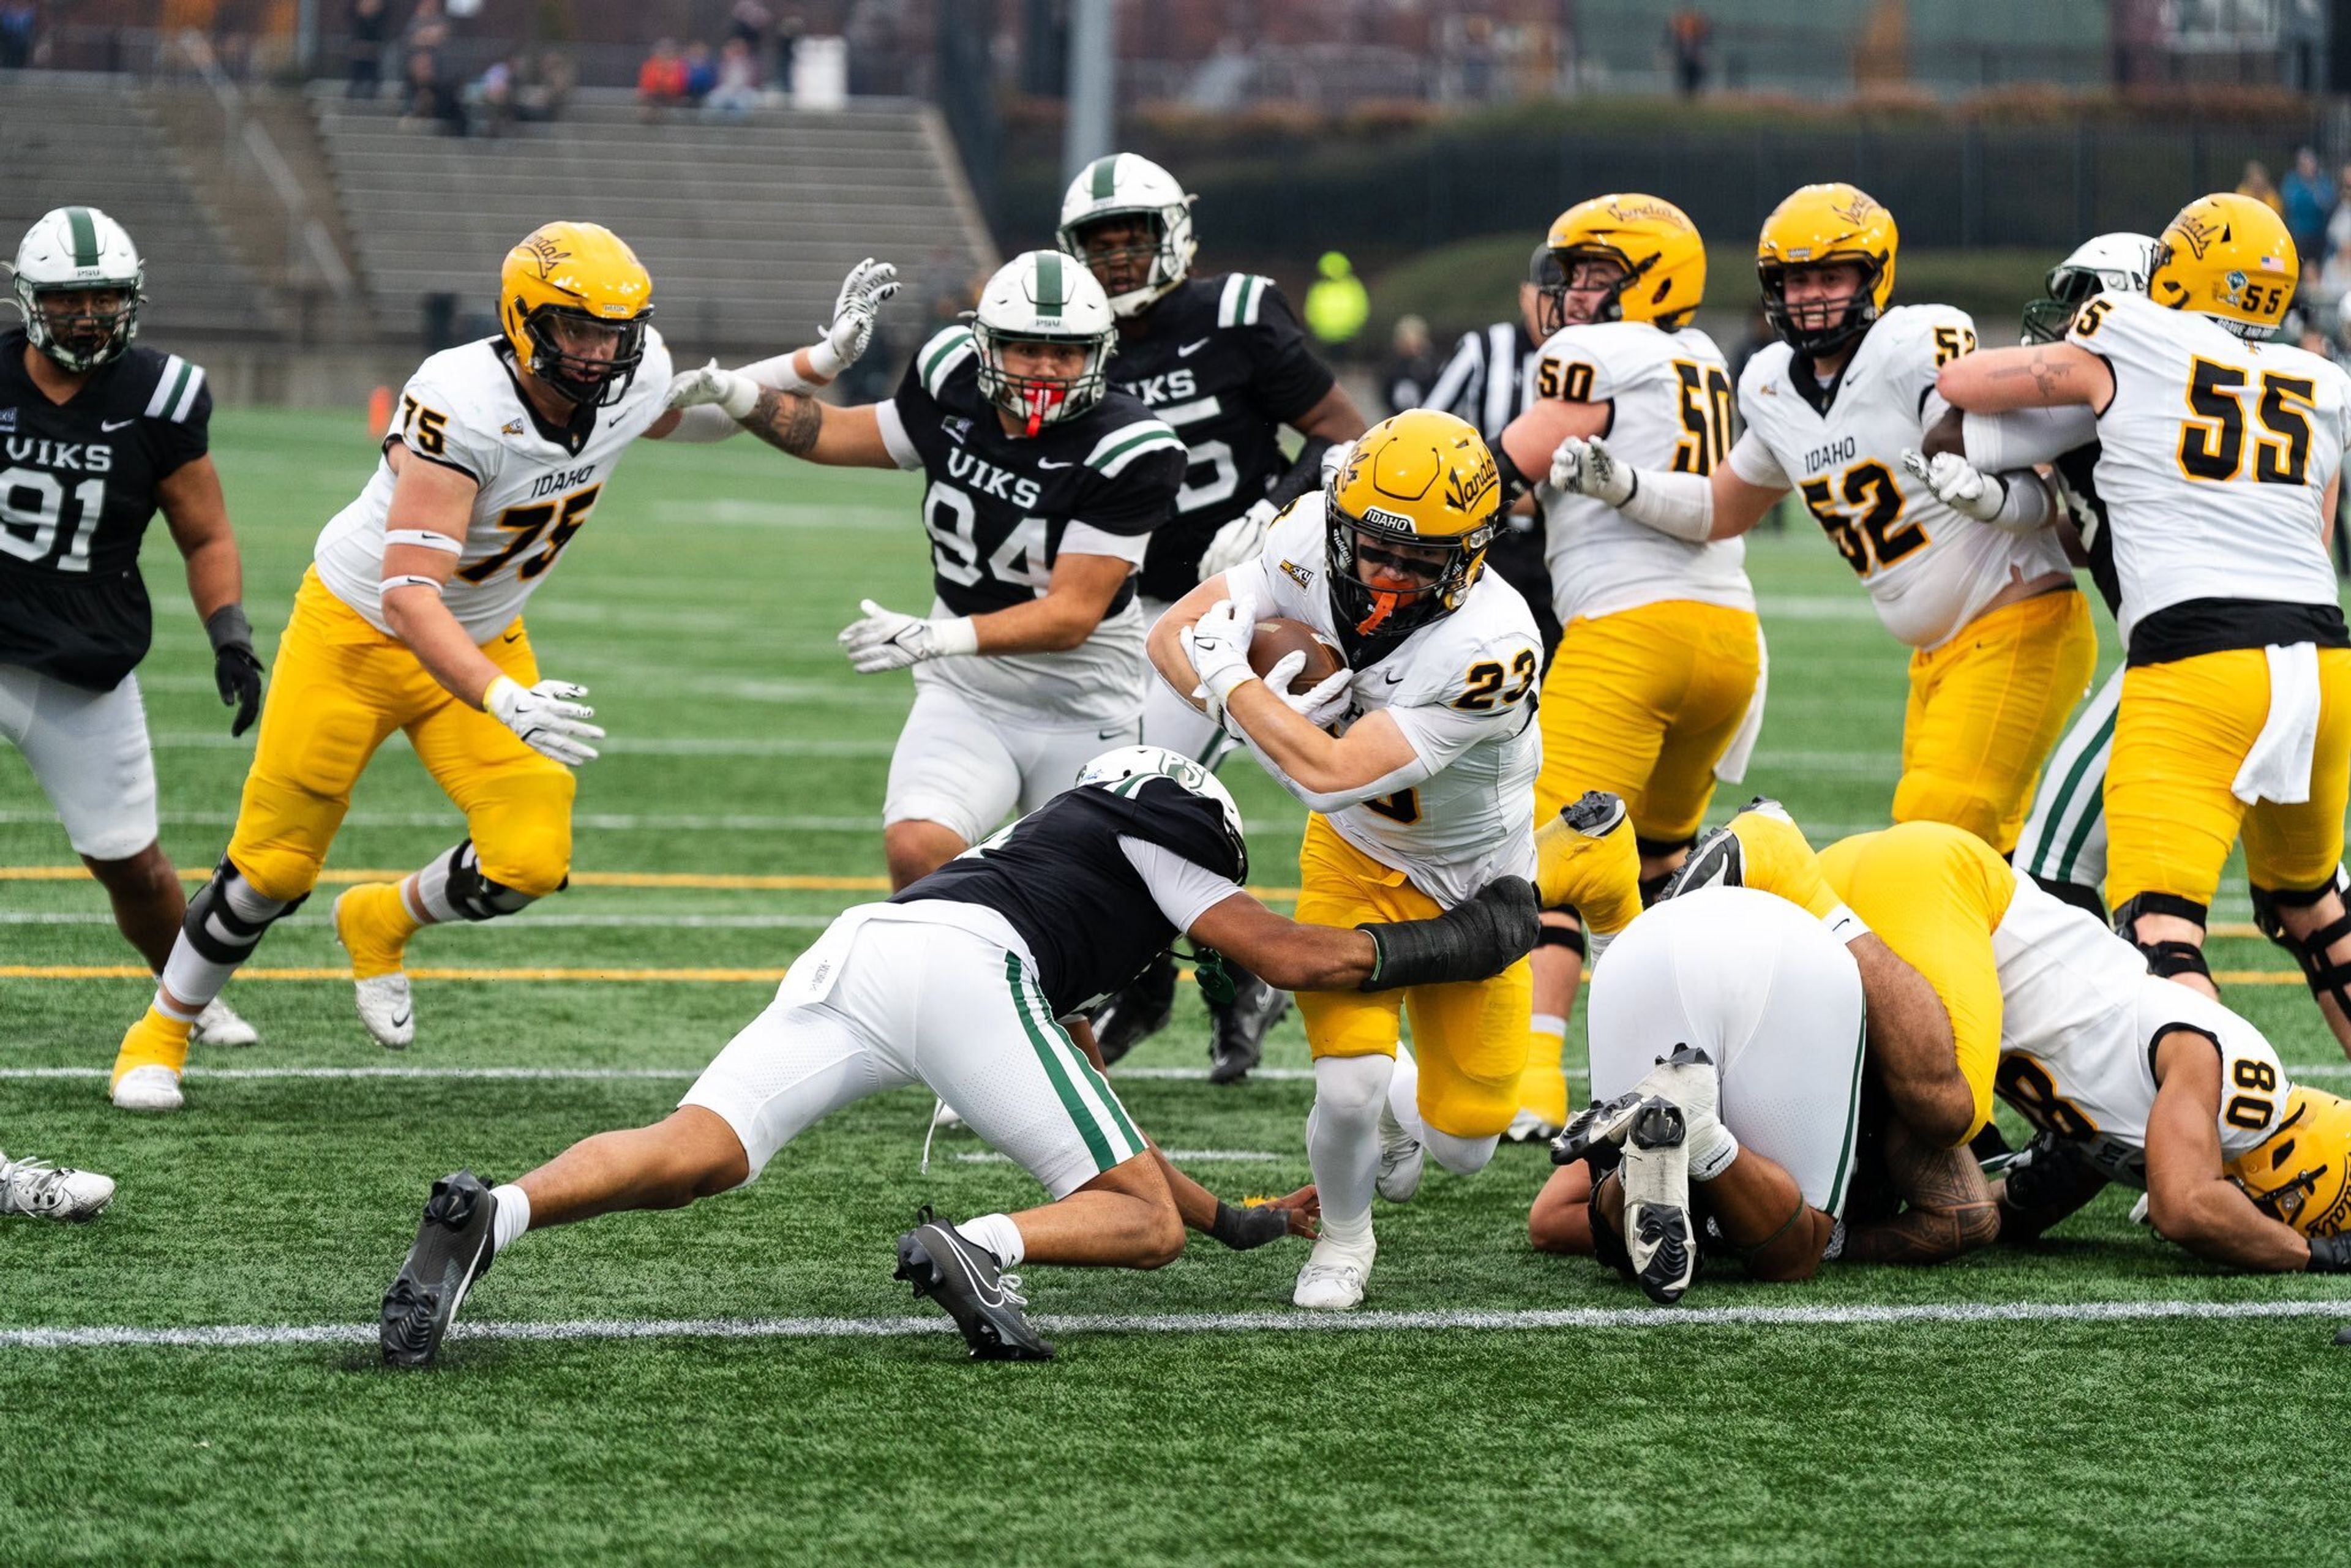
column 689, row 880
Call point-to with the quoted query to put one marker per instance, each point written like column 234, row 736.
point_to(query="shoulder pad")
column 1243, row 294
column 944, row 355
column 1765, row 374
column 1130, row 440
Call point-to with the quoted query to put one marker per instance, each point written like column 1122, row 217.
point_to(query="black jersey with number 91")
column 78, row 488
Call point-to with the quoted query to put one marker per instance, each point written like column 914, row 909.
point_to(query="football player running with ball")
column 411, row 618
column 2002, row 644
column 96, row 438
column 1222, row 360
column 1044, row 489
column 1427, row 795
column 960, row 982
column 1658, row 673
column 2220, row 457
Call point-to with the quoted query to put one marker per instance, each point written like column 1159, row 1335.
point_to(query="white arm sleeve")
column 1084, row 538
column 1996, row 442
column 1751, row 460
column 1183, row 890
column 2025, row 505
column 1679, row 505
column 894, row 435
column 704, row 421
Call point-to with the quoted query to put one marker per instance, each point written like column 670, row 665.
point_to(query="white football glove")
column 548, row 717
column 733, row 392
column 863, row 293
column 1238, row 541
column 1583, row 465
column 1334, row 458
column 1218, row 645
column 1959, row 483
column 1321, row 705
column 886, row 640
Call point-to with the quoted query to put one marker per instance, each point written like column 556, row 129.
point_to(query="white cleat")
column 53, row 1192
column 1402, row 1157
column 217, row 1025
column 1333, row 1279
column 1658, row 1232
column 1526, row 1127
column 154, row 1087
column 387, row 1010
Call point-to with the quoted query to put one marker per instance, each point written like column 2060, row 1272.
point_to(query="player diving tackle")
column 960, row 982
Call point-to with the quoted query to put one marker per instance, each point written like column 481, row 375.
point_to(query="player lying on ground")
column 1425, row 794
column 411, row 618
column 100, row 436
column 1043, row 491
column 958, row 982
column 45, row 1191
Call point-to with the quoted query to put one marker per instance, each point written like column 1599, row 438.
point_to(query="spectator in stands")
column 1687, row 32
column 701, row 75
column 753, row 24
column 20, row 24
column 2334, row 279
column 2309, row 204
column 546, row 87
column 2256, row 184
column 2338, row 227
column 1411, row 366
column 787, row 48
column 432, row 103
column 494, row 97
column 737, row 91
column 661, row 80
column 371, row 26
column 427, row 29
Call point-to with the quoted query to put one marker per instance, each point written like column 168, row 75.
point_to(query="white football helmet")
column 2121, row 262
column 1042, row 297
column 74, row 249
column 1129, row 764
column 1124, row 186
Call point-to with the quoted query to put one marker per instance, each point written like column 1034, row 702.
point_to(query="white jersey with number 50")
column 464, row 410
column 1929, row 569
column 1462, row 690
column 1669, row 407
column 2214, row 457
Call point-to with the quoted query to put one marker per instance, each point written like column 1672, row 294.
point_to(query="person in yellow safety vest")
column 1337, row 304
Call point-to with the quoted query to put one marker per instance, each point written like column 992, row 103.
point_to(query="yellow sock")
column 373, row 924
column 1543, row 1086
column 155, row 1040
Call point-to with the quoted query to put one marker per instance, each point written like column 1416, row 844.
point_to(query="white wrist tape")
column 704, row 422
column 2027, row 505
column 780, row 373
column 825, row 361
column 406, row 580
column 425, row 539
column 955, row 637
column 1681, row 504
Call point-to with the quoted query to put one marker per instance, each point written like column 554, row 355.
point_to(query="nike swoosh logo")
column 402, row 1021
column 1188, row 350
column 1395, row 680
column 113, row 425
column 1049, row 463
column 1116, row 732
column 511, row 637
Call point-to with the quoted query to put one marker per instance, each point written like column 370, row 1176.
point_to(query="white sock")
column 1462, row 1156
column 1711, row 1150
column 426, row 889
column 1342, row 1141
column 1548, row 1023
column 171, row 1009
column 512, row 1218
column 1403, row 1093
column 999, row 1234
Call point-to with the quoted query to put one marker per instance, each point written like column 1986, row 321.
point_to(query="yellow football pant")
column 2181, row 733
column 338, row 689
column 1643, row 704
column 1470, row 1038
column 1985, row 709
column 1935, row 894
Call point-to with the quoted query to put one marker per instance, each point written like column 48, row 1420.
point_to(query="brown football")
column 1276, row 639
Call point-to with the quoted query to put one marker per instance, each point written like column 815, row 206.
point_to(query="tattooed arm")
column 2043, row 375
column 837, row 437
column 1951, row 1208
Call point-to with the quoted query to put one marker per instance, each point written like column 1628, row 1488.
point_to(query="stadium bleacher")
column 745, row 225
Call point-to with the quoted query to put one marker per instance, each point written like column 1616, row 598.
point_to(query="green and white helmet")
column 75, row 250
column 1042, row 297
column 1116, row 770
column 1121, row 186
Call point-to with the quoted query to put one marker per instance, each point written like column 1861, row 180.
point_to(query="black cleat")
column 1659, row 1233
column 452, row 1250
column 1596, row 1132
column 964, row 1277
column 1242, row 1026
column 1137, row 1013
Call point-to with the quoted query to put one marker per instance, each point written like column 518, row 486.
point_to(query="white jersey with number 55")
column 1462, row 690
column 1839, row 447
column 2214, row 456
column 464, row 410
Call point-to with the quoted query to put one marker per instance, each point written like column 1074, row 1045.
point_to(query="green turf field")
column 737, row 1383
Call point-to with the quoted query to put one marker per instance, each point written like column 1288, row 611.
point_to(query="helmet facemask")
column 1037, row 400
column 1556, row 281
column 583, row 379
column 1421, row 578
column 1147, row 267
column 79, row 341
column 1860, row 308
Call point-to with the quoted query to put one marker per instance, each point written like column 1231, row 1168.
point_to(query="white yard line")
column 1188, row 1156
column 239, row 1337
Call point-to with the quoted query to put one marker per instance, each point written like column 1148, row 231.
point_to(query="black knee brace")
column 2326, row 978
column 213, row 928
column 1570, row 937
column 475, row 896
column 2081, row 895
column 2168, row 960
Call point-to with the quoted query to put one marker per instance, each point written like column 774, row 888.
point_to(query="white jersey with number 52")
column 1930, row 570
column 464, row 410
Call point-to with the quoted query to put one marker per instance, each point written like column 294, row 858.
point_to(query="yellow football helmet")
column 2230, row 258
column 1414, row 504
column 568, row 279
column 2298, row 1174
column 1652, row 239
column 1820, row 223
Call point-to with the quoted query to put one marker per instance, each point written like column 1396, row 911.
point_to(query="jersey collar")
column 572, row 437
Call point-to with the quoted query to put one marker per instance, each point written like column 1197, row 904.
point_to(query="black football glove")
column 1249, row 1227
column 2329, row 1255
column 1492, row 930
column 237, row 671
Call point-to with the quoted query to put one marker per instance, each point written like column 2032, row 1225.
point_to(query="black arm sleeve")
column 1303, row 476
column 1492, row 930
